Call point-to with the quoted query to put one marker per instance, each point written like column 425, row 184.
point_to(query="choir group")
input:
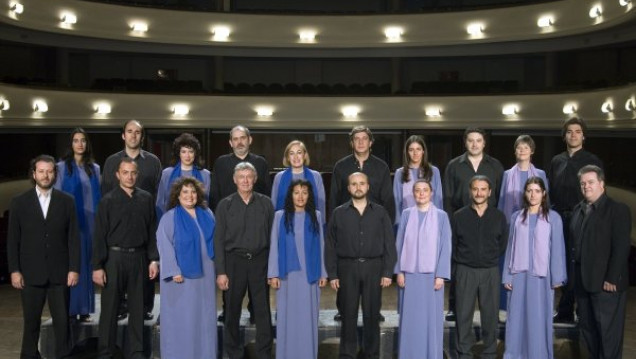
column 503, row 239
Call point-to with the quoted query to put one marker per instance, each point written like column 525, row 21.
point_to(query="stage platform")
column 329, row 333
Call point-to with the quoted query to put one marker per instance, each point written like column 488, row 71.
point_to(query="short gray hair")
column 245, row 166
column 592, row 168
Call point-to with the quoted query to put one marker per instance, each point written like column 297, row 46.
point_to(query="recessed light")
column 475, row 29
column 630, row 105
column 624, row 2
column 40, row 106
column 307, row 35
column 16, row 7
column 220, row 33
column 180, row 110
column 393, row 33
column 545, row 21
column 607, row 107
column 569, row 109
column 139, row 26
column 433, row 112
column 350, row 111
column 510, row 110
column 4, row 104
column 102, row 108
column 68, row 18
column 596, row 11
column 264, row 111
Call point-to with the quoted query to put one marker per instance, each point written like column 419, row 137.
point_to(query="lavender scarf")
column 419, row 250
column 514, row 189
column 521, row 241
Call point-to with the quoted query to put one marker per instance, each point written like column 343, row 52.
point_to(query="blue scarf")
column 176, row 173
column 72, row 184
column 288, row 254
column 286, row 179
column 186, row 240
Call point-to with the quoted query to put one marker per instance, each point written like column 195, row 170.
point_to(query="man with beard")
column 480, row 235
column 43, row 250
column 360, row 256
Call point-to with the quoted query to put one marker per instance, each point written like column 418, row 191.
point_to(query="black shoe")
column 450, row 316
column 381, row 318
column 563, row 318
column 148, row 316
column 85, row 318
column 122, row 316
column 221, row 317
column 337, row 317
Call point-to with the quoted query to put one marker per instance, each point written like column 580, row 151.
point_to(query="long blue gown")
column 297, row 301
column 530, row 303
column 188, row 309
column 163, row 192
column 82, row 296
column 320, row 199
column 422, row 315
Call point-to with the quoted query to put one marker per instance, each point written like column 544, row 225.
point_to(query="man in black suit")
column 600, row 235
column 43, row 250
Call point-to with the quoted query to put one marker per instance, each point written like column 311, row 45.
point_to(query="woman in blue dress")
column 78, row 175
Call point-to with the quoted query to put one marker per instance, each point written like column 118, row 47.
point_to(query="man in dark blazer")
column 43, row 250
column 600, row 235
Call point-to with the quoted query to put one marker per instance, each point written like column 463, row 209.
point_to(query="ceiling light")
column 180, row 110
column 545, row 21
column 139, row 27
column 68, row 18
column 4, row 104
column 475, row 29
column 102, row 108
column 307, row 35
column 630, row 105
column 17, row 8
column 624, row 2
column 350, row 111
column 220, row 33
column 40, row 106
column 393, row 33
column 264, row 111
column 433, row 112
column 510, row 110
column 596, row 11
column 569, row 109
column 607, row 107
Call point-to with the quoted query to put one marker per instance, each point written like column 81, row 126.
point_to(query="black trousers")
column 125, row 274
column 244, row 273
column 601, row 320
column 566, row 303
column 360, row 280
column 33, row 299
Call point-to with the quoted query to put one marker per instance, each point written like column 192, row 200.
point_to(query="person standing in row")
column 186, row 151
column 296, row 269
column 600, row 234
column 188, row 298
column 534, row 267
column 360, row 256
column 124, row 258
column 241, row 245
column 43, row 253
column 148, row 175
column 79, row 176
column 424, row 253
column 457, row 176
column 565, row 194
column 480, row 233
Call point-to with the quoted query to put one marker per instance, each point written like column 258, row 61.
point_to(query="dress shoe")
column 450, row 316
column 337, row 317
column 381, row 318
column 563, row 318
column 221, row 317
column 85, row 318
column 148, row 315
column 122, row 316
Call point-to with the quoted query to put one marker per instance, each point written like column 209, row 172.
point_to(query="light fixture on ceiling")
column 40, row 106
column 545, row 21
column 393, row 33
column 16, row 7
column 220, row 33
column 102, row 108
column 307, row 35
column 624, row 2
column 180, row 110
column 630, row 105
column 475, row 29
column 264, row 111
column 569, row 109
column 4, row 104
column 607, row 107
column 68, row 18
column 433, row 112
column 510, row 110
column 350, row 111
column 596, row 11
column 139, row 27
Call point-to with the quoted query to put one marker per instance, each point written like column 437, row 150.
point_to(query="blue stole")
column 176, row 173
column 72, row 184
column 288, row 254
column 286, row 179
column 187, row 237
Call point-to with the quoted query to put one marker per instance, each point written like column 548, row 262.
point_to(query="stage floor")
column 11, row 324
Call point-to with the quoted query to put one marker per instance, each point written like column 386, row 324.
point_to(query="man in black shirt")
column 565, row 194
column 480, row 235
column 459, row 172
column 360, row 256
column 123, row 244
column 241, row 245
column 149, row 174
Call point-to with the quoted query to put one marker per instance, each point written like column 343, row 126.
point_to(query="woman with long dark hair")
column 534, row 266
column 296, row 269
column 78, row 175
